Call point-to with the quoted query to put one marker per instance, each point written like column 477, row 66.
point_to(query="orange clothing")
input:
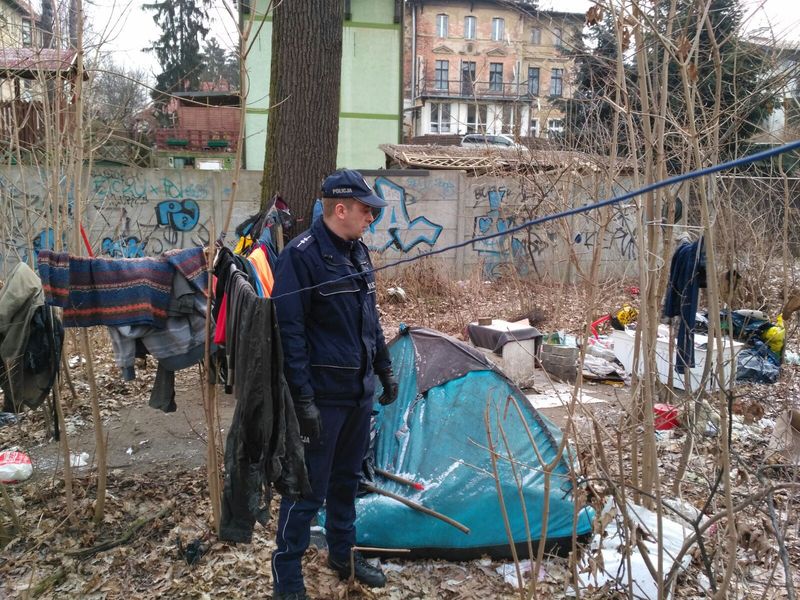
column 258, row 258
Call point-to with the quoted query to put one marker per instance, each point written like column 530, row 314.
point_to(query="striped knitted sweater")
column 117, row 291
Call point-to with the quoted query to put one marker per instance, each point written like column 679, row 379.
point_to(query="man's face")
column 355, row 219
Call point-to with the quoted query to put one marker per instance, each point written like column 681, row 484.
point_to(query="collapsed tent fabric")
column 436, row 434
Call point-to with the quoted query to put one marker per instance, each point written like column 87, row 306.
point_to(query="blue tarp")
column 436, row 434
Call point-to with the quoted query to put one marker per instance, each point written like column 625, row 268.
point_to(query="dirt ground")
column 157, row 479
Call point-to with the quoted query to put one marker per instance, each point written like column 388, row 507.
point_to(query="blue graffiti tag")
column 179, row 215
column 130, row 247
column 495, row 249
column 394, row 228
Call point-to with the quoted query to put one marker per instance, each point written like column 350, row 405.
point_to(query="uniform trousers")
column 334, row 464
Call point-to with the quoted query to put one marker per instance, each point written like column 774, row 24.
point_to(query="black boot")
column 364, row 572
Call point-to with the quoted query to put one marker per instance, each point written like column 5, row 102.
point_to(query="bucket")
column 666, row 416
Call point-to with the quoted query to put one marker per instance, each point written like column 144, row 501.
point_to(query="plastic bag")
column 775, row 335
column 15, row 466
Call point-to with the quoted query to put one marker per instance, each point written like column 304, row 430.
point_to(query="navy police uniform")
column 333, row 347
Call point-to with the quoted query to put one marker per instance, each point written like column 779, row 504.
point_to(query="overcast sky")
column 126, row 29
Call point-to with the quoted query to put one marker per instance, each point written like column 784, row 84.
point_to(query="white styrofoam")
column 624, row 343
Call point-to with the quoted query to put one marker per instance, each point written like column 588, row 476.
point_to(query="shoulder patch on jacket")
column 304, row 242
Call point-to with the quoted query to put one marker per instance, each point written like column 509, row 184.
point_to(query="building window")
column 27, row 33
column 442, row 74
column 558, row 37
column 555, row 127
column 467, row 78
column 440, row 117
column 498, row 29
column 441, row 26
column 534, row 128
column 469, row 28
column 556, row 82
column 495, row 77
column 536, row 36
column 476, row 118
column 533, row 81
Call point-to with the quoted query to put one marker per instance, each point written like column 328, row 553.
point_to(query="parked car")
column 488, row 140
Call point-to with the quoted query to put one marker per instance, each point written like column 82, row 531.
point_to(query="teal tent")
column 436, row 434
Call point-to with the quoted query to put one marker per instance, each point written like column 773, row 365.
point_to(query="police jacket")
column 332, row 339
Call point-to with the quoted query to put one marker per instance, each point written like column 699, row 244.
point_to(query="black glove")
column 389, row 384
column 308, row 418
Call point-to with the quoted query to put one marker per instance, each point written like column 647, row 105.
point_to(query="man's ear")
column 340, row 209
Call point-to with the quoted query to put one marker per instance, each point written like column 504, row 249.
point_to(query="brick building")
column 494, row 66
column 204, row 133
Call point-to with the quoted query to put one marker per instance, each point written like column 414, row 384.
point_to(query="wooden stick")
column 123, row 539
column 48, row 582
column 416, row 485
column 416, row 506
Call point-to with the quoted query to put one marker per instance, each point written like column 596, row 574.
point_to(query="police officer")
column 333, row 348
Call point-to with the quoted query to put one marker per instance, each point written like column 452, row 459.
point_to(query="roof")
column 491, row 158
column 526, row 7
column 29, row 63
column 21, row 6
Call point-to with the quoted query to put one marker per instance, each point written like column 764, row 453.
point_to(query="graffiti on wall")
column 125, row 187
column 521, row 250
column 147, row 216
column 170, row 224
column 502, row 249
column 394, row 228
column 620, row 236
column 25, row 228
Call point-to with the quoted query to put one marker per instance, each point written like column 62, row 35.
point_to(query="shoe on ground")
column 364, row 572
column 290, row 596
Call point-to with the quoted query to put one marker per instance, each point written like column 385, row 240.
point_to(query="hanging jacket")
column 19, row 299
column 687, row 274
column 263, row 447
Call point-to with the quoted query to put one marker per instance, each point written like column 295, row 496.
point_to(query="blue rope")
column 577, row 210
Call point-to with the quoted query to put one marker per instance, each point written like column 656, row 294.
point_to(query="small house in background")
column 203, row 130
column 27, row 70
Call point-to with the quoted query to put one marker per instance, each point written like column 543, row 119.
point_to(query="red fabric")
column 219, row 332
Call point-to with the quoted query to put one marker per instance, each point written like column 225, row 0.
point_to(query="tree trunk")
column 303, row 124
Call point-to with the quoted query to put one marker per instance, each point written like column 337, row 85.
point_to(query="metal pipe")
column 413, row 68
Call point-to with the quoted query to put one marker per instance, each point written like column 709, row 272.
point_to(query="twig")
column 416, row 506
column 123, row 539
column 68, row 377
column 48, row 582
column 10, row 508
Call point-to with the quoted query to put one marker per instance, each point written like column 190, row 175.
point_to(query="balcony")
column 467, row 89
column 197, row 140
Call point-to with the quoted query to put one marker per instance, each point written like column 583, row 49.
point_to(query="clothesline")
column 578, row 210
column 559, row 215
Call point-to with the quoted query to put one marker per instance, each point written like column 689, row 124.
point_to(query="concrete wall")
column 128, row 212
column 429, row 210
column 141, row 212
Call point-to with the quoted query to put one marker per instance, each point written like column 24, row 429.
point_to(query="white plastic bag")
column 15, row 466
